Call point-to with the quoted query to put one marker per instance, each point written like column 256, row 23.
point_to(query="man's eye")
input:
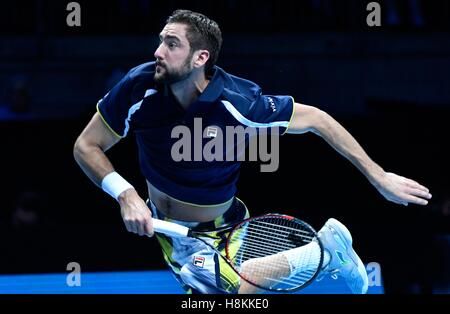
column 172, row 45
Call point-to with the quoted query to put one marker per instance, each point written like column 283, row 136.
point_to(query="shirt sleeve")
column 273, row 111
column 115, row 106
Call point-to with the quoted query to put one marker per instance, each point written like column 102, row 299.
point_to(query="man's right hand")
column 135, row 213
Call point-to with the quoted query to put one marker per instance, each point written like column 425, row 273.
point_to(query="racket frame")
column 233, row 227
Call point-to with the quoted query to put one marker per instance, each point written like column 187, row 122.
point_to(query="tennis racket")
column 271, row 252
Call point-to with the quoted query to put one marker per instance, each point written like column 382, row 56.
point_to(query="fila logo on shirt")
column 211, row 132
column 272, row 104
column 199, row 261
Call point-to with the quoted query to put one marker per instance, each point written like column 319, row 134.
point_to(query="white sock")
column 305, row 258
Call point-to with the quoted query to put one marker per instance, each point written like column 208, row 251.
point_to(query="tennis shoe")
column 344, row 262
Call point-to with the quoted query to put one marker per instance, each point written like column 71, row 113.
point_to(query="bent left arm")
column 393, row 187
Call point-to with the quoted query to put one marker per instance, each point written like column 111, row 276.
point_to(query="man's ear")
column 200, row 58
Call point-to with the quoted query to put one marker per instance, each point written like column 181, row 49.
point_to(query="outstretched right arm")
column 89, row 152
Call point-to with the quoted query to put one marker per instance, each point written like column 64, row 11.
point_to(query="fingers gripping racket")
column 272, row 252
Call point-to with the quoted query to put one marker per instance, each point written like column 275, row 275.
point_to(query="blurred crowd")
column 144, row 16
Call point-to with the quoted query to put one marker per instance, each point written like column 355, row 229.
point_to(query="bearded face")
column 174, row 55
column 168, row 74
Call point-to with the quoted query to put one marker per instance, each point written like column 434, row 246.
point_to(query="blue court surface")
column 139, row 282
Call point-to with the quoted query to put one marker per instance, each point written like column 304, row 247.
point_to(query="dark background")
column 388, row 86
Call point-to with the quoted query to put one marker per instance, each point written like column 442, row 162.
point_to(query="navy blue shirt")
column 138, row 105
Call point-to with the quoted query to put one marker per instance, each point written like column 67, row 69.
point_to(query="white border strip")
column 135, row 108
column 249, row 123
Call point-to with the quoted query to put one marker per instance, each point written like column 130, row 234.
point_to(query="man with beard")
column 182, row 85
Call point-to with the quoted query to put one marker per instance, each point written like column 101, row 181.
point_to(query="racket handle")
column 170, row 228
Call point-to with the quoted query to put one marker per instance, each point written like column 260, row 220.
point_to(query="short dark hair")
column 201, row 32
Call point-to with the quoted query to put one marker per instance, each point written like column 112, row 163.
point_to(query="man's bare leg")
column 263, row 271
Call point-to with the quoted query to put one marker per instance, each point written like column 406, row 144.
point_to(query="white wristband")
column 114, row 184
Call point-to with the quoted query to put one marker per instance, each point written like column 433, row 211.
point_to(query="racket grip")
column 169, row 228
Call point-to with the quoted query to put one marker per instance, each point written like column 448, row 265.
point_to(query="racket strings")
column 275, row 226
column 276, row 269
column 279, row 240
column 292, row 281
column 258, row 257
column 254, row 237
column 269, row 266
column 274, row 235
column 271, row 231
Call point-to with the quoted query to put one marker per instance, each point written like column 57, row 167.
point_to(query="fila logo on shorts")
column 199, row 261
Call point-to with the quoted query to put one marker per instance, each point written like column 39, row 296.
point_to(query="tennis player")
column 180, row 87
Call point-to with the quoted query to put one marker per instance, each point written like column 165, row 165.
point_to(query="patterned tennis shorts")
column 197, row 267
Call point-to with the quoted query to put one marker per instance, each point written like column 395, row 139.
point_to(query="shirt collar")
column 214, row 88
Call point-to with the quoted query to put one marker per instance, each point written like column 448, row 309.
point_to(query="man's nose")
column 158, row 53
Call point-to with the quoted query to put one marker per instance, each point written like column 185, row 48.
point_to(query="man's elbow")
column 313, row 119
column 319, row 121
column 80, row 148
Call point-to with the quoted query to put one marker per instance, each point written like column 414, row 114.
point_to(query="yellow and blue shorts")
column 196, row 266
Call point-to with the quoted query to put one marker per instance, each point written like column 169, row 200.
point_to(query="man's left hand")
column 402, row 190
